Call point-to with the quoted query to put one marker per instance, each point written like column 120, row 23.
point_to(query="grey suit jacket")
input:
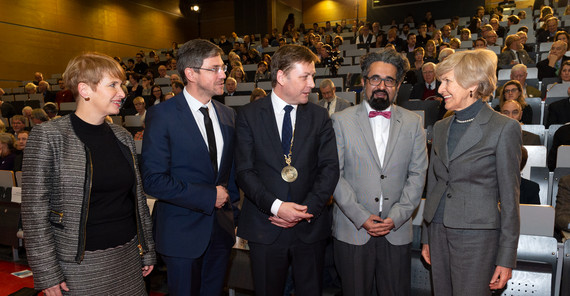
column 506, row 57
column 341, row 104
column 400, row 181
column 482, row 172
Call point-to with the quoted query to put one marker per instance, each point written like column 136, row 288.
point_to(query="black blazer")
column 259, row 161
column 529, row 192
column 558, row 112
column 544, row 70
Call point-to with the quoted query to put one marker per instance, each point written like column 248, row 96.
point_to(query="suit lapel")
column 270, row 127
column 395, row 127
column 443, row 133
column 366, row 129
column 225, row 123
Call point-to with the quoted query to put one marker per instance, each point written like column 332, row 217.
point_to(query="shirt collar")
column 278, row 103
column 193, row 103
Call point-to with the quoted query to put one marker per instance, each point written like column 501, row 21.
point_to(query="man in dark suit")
column 231, row 86
column 551, row 29
column 287, row 166
column 559, row 112
column 529, row 189
column 187, row 164
column 329, row 99
column 551, row 66
column 513, row 109
column 427, row 87
column 561, row 137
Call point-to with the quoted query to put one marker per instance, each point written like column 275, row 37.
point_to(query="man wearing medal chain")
column 383, row 163
column 287, row 166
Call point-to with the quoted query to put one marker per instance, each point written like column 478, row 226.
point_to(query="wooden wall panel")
column 315, row 11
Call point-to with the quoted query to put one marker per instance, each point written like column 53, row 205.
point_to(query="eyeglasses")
column 215, row 69
column 512, row 90
column 376, row 80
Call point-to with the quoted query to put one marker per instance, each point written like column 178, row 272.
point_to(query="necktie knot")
column 288, row 108
column 204, row 111
column 386, row 114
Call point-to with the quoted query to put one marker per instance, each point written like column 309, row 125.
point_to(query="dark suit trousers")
column 377, row 261
column 270, row 264
column 462, row 260
column 202, row 276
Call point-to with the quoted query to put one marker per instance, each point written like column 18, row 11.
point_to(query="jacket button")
column 382, row 176
column 449, row 195
column 376, row 199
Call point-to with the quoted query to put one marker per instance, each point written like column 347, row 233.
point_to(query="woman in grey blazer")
column 85, row 217
column 472, row 206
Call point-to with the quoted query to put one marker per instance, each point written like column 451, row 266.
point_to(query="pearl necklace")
column 464, row 121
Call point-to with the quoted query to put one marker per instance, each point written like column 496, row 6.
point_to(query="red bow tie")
column 386, row 114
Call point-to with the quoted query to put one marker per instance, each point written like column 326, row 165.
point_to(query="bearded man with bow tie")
column 383, row 162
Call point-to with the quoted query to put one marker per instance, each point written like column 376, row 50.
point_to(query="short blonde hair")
column 89, row 68
column 138, row 100
column 30, row 87
column 472, row 68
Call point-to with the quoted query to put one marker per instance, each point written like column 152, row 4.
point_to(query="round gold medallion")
column 289, row 174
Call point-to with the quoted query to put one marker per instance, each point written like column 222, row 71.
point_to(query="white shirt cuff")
column 275, row 206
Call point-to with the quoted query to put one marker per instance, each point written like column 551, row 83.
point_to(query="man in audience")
column 365, row 39
column 497, row 28
column 428, row 87
column 562, row 214
column 45, row 89
column 376, row 29
column 513, row 109
column 38, row 76
column 529, row 190
column 175, row 77
column 491, row 38
column 519, row 73
column 551, row 29
column 187, row 164
column 550, row 67
column 524, row 38
column 27, row 112
column 422, row 36
column 140, row 66
column 561, row 137
column 410, row 45
column 559, row 112
column 446, row 33
column 264, row 44
column 171, row 64
column 405, row 31
column 177, row 87
column 162, row 72
column 381, row 183
column 64, row 95
column 286, row 219
column 329, row 99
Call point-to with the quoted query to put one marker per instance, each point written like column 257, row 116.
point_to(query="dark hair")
column 287, row 56
column 50, row 107
column 178, row 84
column 410, row 35
column 193, row 53
column 161, row 99
column 524, row 157
column 389, row 56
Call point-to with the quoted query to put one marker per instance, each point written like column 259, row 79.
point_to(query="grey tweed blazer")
column 53, row 177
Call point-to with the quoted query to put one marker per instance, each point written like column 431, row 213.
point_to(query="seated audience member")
column 264, row 44
column 444, row 53
column 562, row 36
column 405, row 31
column 436, row 36
column 134, row 88
column 530, row 190
column 430, row 52
column 565, row 72
column 51, row 110
column 30, row 88
column 27, row 112
column 455, row 43
column 365, row 38
column 513, row 53
column 262, row 72
column 512, row 20
column 465, row 35
column 417, row 60
column 519, row 73
column 39, row 116
column 480, row 43
column 547, row 35
column 410, row 45
column 513, row 109
column 512, row 90
column 156, row 96
column 238, row 74
column 561, row 137
column 171, row 64
column 38, row 76
column 140, row 66
column 45, row 89
column 491, row 38
column 550, row 67
column 474, row 25
column 19, row 149
column 329, row 99
column 338, row 41
column 446, row 33
column 162, row 72
column 559, row 112
column 392, row 38
column 423, row 36
column 140, row 106
column 6, row 109
column 175, row 77
column 523, row 36
column 177, row 87
column 147, row 83
column 257, row 94
column 18, row 124
column 562, row 212
column 428, row 87
column 500, row 30
column 22, row 140
column 231, row 88
column 64, row 95
column 7, row 157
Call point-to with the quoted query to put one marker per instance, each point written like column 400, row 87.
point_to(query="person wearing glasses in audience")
column 512, row 90
column 471, row 230
column 87, row 223
column 187, row 164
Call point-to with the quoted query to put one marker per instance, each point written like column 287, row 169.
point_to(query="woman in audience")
column 84, row 212
column 431, row 52
column 256, row 94
column 156, row 95
column 437, row 37
column 30, row 88
column 475, row 25
column 512, row 90
column 474, row 166
column 465, row 35
column 337, row 42
column 564, row 36
column 267, row 59
column 480, row 43
column 454, row 43
column 419, row 53
column 135, row 88
column 262, row 72
column 140, row 106
column 7, row 156
column 565, row 72
column 238, row 74
column 146, row 85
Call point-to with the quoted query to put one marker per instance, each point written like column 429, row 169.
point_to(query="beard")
column 379, row 103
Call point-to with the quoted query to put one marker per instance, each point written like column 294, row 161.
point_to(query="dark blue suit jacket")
column 177, row 171
column 259, row 161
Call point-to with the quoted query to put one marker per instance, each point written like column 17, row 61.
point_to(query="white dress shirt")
column 195, row 106
column 380, row 131
column 332, row 107
column 278, row 108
